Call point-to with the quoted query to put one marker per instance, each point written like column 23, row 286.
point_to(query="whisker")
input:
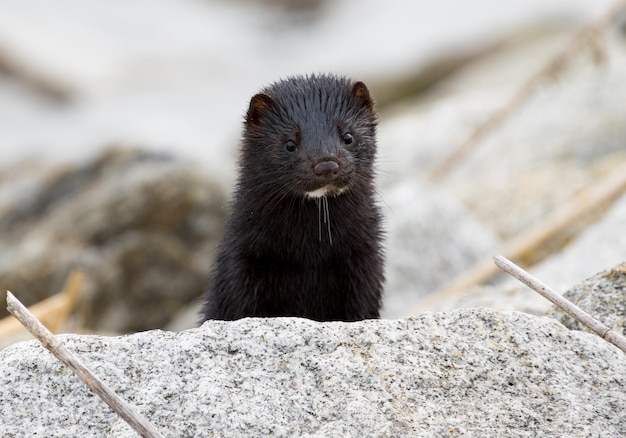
column 319, row 219
column 327, row 219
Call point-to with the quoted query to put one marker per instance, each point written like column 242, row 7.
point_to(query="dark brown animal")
column 304, row 234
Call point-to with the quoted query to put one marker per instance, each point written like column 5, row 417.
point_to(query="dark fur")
column 279, row 256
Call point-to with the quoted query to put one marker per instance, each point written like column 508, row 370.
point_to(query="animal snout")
column 329, row 169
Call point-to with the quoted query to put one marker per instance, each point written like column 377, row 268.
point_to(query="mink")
column 304, row 235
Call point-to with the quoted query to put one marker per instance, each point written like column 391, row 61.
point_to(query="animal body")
column 304, row 234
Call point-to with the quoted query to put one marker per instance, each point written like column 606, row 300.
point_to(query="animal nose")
column 327, row 169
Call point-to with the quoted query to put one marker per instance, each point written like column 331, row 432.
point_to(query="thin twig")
column 563, row 303
column 546, row 74
column 56, row 347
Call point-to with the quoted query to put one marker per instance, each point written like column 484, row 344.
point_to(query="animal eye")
column 347, row 138
column 290, row 145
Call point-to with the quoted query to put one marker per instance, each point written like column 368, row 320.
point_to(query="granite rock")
column 472, row 372
column 603, row 296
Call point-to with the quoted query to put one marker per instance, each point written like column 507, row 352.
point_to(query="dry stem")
column 48, row 340
column 563, row 303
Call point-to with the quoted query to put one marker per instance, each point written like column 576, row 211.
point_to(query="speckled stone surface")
column 472, row 372
column 603, row 296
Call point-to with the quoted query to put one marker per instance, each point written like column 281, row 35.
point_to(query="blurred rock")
column 431, row 238
column 164, row 73
column 562, row 140
column 600, row 245
column 507, row 296
column 143, row 226
column 467, row 372
column 603, row 296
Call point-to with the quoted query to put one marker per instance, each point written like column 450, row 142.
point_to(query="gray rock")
column 603, row 296
column 467, row 372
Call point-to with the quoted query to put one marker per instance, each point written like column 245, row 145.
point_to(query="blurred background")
column 120, row 122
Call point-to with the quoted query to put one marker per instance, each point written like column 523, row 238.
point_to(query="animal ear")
column 260, row 105
column 362, row 95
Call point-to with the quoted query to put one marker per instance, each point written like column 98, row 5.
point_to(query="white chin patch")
column 325, row 191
